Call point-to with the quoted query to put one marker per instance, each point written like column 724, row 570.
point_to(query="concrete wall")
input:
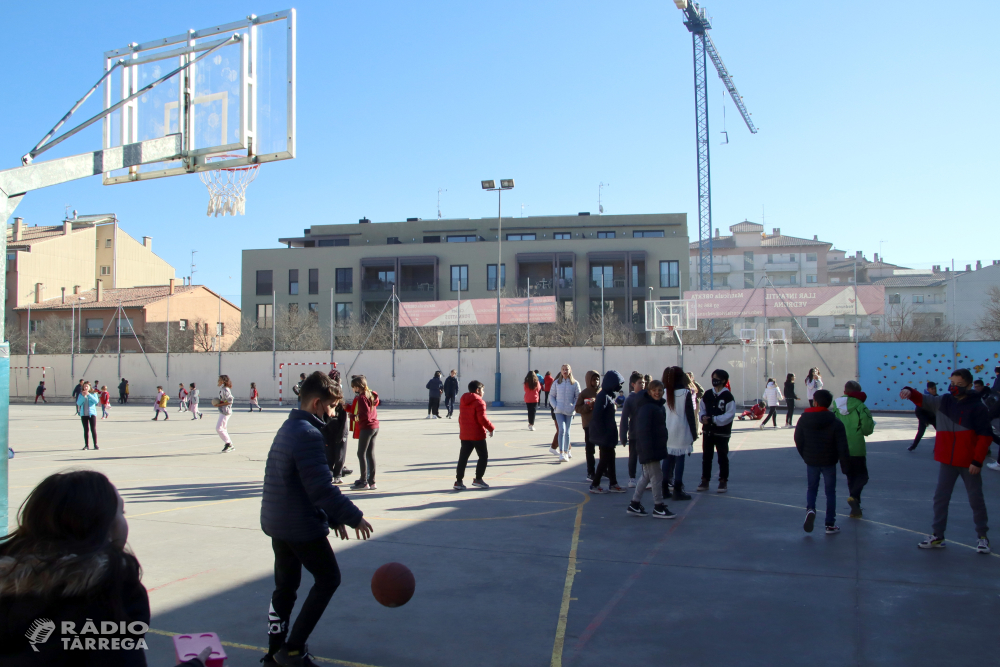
column 415, row 367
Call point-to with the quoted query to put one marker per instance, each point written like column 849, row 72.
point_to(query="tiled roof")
column 746, row 226
column 31, row 235
column 781, row 240
column 911, row 281
column 129, row 297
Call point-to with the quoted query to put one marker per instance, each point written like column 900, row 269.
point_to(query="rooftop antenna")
column 600, row 187
column 193, row 270
column 524, row 206
column 440, row 190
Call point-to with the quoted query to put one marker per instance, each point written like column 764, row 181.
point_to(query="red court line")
column 620, row 594
column 156, row 588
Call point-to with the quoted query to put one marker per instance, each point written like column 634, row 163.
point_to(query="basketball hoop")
column 227, row 187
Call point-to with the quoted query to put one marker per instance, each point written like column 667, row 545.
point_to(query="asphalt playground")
column 535, row 571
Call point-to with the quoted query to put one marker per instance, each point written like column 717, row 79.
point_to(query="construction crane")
column 698, row 25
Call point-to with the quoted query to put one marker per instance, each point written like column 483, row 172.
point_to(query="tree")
column 15, row 336
column 155, row 338
column 988, row 325
column 902, row 323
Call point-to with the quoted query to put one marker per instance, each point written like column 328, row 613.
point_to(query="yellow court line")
column 189, row 507
column 557, row 646
column 248, row 647
column 876, row 523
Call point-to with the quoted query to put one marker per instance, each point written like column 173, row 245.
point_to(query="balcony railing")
column 376, row 285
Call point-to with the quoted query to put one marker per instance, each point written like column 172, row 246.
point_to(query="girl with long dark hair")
column 366, row 416
column 790, row 398
column 682, row 429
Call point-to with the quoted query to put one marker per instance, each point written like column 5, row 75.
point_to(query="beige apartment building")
column 45, row 261
column 357, row 266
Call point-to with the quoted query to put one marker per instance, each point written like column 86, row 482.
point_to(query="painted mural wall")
column 885, row 368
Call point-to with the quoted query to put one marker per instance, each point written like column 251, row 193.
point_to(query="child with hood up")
column 857, row 420
column 604, row 432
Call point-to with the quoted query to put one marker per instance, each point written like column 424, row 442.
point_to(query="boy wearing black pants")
column 604, row 432
column 472, row 428
column 300, row 503
column 717, row 411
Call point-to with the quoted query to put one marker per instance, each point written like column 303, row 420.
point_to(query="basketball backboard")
column 225, row 90
column 675, row 315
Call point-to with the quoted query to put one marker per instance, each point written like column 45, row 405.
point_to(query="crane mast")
column 704, row 49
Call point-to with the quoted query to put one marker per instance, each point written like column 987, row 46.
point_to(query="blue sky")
column 875, row 125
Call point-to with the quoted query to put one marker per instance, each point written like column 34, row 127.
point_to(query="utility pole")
column 331, row 329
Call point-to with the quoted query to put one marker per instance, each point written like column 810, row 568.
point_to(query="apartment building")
column 194, row 314
column 742, row 259
column 43, row 261
column 570, row 257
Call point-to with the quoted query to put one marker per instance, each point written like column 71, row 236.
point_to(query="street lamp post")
column 490, row 186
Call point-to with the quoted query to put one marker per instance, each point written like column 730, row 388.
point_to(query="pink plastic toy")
column 189, row 646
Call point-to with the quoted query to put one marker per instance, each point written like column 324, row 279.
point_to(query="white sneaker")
column 569, row 455
column 437, row 416
column 429, row 416
column 762, row 425
column 554, row 452
column 993, row 466
column 631, row 482
column 562, row 457
column 531, row 427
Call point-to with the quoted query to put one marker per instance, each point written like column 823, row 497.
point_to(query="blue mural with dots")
column 885, row 368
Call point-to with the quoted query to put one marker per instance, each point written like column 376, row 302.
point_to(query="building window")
column 326, row 243
column 345, row 312
column 635, row 275
column 748, row 260
column 520, row 237
column 460, row 277
column 602, row 274
column 107, row 243
column 770, row 259
column 747, row 281
column 724, row 280
column 811, row 279
column 791, row 258
column 94, row 327
column 462, row 239
column 345, row 281
column 265, row 316
column 393, row 240
column 105, row 270
column 34, row 326
column 812, row 322
column 839, row 323
column 918, row 298
column 314, row 281
column 562, row 236
column 491, row 276
column 894, row 298
column 810, row 257
column 658, row 234
column 670, row 274
column 264, row 283
column 314, row 309
column 293, row 281
column 793, row 279
column 432, row 239
column 834, row 281
column 182, row 325
column 605, row 235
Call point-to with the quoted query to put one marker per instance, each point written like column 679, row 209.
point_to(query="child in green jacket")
column 857, row 420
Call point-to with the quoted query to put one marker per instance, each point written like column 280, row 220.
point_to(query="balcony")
column 377, row 288
column 778, row 267
column 416, row 291
column 539, row 286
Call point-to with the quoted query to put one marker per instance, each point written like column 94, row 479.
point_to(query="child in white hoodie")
column 773, row 398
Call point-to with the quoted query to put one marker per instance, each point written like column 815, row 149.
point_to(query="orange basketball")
column 393, row 585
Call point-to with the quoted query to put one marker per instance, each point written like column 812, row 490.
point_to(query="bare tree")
column 16, row 337
column 988, row 325
column 51, row 336
column 902, row 323
column 155, row 338
column 251, row 337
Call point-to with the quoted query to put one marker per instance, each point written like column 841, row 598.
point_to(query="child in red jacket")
column 473, row 425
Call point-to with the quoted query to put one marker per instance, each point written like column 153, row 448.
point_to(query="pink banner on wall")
column 477, row 311
column 802, row 301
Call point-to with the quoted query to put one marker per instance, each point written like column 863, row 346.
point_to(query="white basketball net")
column 227, row 189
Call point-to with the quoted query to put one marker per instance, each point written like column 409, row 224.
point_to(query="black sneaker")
column 459, row 486
column 911, row 447
column 810, row 521
column 298, row 659
column 832, row 530
column 932, row 542
column 228, row 447
column 480, row 483
column 346, row 471
column 679, row 493
column 723, row 486
column 703, row 486
column 636, row 509
column 360, row 485
column 661, row 512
